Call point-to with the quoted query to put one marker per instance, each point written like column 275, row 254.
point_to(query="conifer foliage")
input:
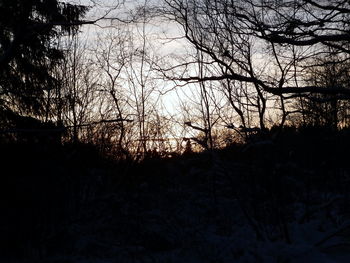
column 28, row 30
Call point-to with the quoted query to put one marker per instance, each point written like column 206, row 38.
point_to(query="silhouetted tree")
column 327, row 110
column 267, row 45
column 28, row 31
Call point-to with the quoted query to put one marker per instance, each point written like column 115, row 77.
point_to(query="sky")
column 157, row 32
column 158, row 36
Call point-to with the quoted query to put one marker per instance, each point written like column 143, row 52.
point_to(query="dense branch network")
column 233, row 33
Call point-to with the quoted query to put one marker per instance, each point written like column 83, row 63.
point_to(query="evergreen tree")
column 28, row 30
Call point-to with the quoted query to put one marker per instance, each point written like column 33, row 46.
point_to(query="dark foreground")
column 271, row 201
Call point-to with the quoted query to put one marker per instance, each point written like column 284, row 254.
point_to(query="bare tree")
column 327, row 110
column 112, row 56
column 142, row 83
column 74, row 101
column 265, row 44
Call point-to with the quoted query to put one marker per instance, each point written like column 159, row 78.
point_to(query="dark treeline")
column 249, row 67
column 88, row 149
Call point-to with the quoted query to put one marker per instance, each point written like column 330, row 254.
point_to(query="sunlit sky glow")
column 163, row 43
